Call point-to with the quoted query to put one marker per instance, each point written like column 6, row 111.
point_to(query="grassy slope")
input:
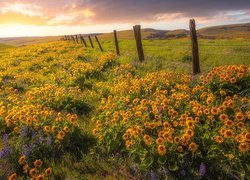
column 91, row 166
column 225, row 31
column 147, row 34
column 220, row 32
column 176, row 54
column 4, row 46
column 160, row 55
column 28, row 40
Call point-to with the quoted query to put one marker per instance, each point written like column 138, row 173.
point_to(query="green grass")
column 227, row 31
column 21, row 41
column 176, row 54
column 4, row 46
column 159, row 55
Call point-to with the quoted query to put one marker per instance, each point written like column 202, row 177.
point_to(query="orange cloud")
column 17, row 18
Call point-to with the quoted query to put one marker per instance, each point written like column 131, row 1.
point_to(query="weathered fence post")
column 90, row 40
column 137, row 32
column 83, row 40
column 116, row 44
column 77, row 39
column 98, row 43
column 195, row 48
column 73, row 38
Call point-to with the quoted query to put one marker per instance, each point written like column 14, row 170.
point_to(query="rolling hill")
column 226, row 31
column 216, row 32
column 149, row 34
column 19, row 41
column 3, row 47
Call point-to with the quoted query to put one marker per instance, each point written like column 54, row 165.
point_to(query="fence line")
column 138, row 39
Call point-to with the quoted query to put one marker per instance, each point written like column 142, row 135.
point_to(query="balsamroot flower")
column 38, row 163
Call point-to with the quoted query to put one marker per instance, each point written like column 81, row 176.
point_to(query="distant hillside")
column 216, row 32
column 149, row 34
column 3, row 47
column 19, row 41
column 226, row 31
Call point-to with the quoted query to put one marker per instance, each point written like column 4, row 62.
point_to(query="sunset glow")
column 42, row 18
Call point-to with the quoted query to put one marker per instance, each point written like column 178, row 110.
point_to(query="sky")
column 61, row 17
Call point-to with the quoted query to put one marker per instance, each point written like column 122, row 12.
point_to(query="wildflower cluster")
column 43, row 94
column 166, row 121
column 33, row 170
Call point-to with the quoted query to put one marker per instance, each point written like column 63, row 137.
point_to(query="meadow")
column 175, row 54
column 69, row 112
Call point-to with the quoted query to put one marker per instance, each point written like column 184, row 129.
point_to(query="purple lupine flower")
column 202, row 169
column 24, row 131
column 183, row 172
column 160, row 109
column 40, row 133
column 40, row 139
column 4, row 151
column 135, row 168
column 1, row 154
column 32, row 146
column 153, row 175
column 5, row 138
column 33, row 135
column 26, row 150
column 49, row 140
column 166, row 171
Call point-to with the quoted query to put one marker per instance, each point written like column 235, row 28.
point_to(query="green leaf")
column 162, row 160
column 173, row 166
column 147, row 162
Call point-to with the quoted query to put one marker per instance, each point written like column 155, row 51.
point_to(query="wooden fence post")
column 195, row 48
column 77, row 39
column 137, row 32
column 83, row 40
column 116, row 44
column 98, row 43
column 90, row 40
column 73, row 38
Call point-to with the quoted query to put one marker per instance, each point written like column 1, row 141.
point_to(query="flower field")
column 60, row 99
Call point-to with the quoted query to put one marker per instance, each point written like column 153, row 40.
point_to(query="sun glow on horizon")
column 20, row 30
column 52, row 18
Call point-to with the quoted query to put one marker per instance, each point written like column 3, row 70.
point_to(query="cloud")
column 146, row 10
column 17, row 18
column 89, row 12
column 25, row 9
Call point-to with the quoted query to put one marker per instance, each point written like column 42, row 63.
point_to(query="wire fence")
column 196, row 49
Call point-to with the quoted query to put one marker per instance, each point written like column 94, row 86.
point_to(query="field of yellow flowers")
column 59, row 98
